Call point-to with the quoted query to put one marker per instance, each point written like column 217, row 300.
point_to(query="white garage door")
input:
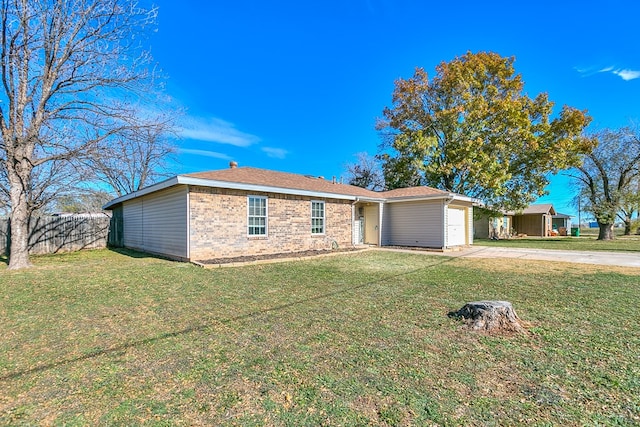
column 455, row 227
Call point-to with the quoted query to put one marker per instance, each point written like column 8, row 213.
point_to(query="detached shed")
column 535, row 220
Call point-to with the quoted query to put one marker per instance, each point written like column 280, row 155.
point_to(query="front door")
column 371, row 224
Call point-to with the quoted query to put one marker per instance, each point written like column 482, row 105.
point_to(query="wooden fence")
column 52, row 234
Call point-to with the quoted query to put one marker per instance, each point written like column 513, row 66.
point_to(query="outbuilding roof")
column 537, row 209
column 542, row 208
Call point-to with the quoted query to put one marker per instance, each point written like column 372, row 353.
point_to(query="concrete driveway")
column 623, row 259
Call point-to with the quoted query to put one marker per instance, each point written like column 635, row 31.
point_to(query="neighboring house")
column 493, row 227
column 244, row 211
column 534, row 220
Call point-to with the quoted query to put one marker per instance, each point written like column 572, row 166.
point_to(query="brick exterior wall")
column 218, row 224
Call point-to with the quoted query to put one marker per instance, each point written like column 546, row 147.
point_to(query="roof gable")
column 543, row 208
column 537, row 209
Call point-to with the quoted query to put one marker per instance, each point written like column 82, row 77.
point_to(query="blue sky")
column 297, row 86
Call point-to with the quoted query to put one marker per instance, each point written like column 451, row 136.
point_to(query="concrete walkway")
column 622, row 259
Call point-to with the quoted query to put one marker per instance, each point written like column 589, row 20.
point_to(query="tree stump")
column 490, row 316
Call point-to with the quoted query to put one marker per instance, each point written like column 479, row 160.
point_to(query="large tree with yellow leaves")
column 471, row 129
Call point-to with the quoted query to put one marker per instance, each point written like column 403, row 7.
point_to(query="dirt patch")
column 254, row 258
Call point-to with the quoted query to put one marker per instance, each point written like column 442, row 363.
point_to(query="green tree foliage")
column 608, row 177
column 471, row 129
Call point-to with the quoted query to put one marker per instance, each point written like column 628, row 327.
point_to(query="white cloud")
column 627, row 74
column 205, row 153
column 276, row 153
column 624, row 74
column 216, row 130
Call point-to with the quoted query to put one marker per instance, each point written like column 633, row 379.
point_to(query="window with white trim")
column 257, row 216
column 317, row 217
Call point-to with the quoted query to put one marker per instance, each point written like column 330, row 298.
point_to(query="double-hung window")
column 257, row 216
column 317, row 217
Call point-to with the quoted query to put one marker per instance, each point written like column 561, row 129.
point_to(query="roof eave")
column 203, row 182
column 262, row 188
column 452, row 196
column 151, row 189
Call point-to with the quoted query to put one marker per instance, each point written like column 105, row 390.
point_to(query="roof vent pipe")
column 233, row 164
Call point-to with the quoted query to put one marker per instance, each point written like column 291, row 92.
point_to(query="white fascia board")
column 185, row 180
column 370, row 199
column 152, row 188
column 260, row 188
column 447, row 196
column 461, row 198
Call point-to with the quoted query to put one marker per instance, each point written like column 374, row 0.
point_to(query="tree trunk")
column 606, row 231
column 490, row 316
column 19, row 252
column 627, row 227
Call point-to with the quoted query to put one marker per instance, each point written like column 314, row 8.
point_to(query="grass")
column 108, row 338
column 588, row 241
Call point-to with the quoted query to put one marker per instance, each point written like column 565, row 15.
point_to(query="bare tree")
column 136, row 158
column 74, row 74
column 606, row 174
column 630, row 205
column 89, row 201
column 365, row 172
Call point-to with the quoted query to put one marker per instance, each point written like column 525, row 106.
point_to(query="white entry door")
column 455, row 227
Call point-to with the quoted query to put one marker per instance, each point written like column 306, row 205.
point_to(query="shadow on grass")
column 199, row 328
column 131, row 253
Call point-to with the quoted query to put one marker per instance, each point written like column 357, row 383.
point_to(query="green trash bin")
column 575, row 231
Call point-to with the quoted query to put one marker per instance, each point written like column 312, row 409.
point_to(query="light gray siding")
column 132, row 217
column 157, row 222
column 414, row 224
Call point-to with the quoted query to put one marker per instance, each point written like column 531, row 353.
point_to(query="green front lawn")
column 107, row 338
